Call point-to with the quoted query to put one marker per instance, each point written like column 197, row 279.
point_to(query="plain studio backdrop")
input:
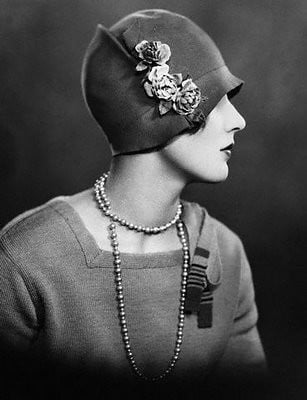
column 51, row 146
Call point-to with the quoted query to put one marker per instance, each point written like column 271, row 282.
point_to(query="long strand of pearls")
column 119, row 285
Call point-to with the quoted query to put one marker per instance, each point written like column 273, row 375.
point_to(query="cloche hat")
column 152, row 76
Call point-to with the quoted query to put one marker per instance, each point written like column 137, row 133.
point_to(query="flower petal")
column 140, row 46
column 147, row 87
column 141, row 66
column 167, row 51
column 178, row 78
column 157, row 72
column 161, row 70
column 186, row 83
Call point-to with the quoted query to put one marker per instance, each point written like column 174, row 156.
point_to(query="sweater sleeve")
column 18, row 330
column 18, row 320
column 244, row 355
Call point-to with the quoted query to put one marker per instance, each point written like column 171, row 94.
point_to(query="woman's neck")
column 143, row 190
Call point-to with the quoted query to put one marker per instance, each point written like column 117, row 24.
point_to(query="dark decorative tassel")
column 205, row 309
column 196, row 280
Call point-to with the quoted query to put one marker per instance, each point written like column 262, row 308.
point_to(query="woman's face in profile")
column 203, row 156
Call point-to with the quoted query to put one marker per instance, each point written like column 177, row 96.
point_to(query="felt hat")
column 152, row 76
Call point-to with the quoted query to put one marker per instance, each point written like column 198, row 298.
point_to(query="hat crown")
column 193, row 51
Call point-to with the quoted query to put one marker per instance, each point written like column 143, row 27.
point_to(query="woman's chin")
column 215, row 177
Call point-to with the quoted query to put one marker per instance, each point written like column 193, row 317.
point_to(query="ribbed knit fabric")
column 58, row 300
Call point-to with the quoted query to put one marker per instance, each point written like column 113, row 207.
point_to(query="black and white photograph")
column 153, row 218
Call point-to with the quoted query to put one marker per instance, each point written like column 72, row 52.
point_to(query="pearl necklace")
column 120, row 296
column 105, row 205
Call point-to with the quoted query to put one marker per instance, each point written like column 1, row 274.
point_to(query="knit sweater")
column 58, row 299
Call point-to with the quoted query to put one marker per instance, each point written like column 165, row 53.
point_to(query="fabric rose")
column 188, row 98
column 152, row 53
column 163, row 87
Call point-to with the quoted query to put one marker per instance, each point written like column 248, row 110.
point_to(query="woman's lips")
column 228, row 152
column 228, row 149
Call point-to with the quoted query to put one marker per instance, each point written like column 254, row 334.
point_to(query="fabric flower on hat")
column 163, row 87
column 188, row 98
column 152, row 53
column 183, row 96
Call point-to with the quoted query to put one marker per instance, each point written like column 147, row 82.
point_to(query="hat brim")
column 214, row 85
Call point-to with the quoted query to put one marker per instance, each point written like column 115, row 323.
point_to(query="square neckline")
column 95, row 255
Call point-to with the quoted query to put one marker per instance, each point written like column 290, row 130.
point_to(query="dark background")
column 50, row 145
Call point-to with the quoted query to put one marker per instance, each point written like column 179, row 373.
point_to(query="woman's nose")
column 235, row 121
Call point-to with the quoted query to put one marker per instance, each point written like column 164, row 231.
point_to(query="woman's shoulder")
column 36, row 228
column 198, row 213
column 40, row 217
column 224, row 245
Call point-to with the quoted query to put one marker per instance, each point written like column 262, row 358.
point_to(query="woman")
column 127, row 281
